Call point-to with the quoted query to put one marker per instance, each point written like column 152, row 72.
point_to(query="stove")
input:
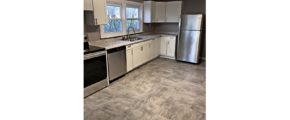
column 90, row 49
column 95, row 69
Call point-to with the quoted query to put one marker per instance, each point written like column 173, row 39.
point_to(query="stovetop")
column 91, row 49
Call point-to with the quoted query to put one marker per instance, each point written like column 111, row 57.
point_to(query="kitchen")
column 144, row 59
column 138, row 60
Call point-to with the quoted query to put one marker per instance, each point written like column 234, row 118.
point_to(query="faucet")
column 128, row 31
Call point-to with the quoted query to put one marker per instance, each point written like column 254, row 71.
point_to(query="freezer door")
column 191, row 22
column 188, row 46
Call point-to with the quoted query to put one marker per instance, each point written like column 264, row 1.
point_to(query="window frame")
column 117, row 5
column 123, row 4
column 128, row 5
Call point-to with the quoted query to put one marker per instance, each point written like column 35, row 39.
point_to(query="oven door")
column 95, row 72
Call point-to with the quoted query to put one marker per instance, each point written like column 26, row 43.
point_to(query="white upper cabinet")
column 173, row 11
column 100, row 12
column 160, row 12
column 154, row 12
column 149, row 7
column 88, row 5
column 160, row 15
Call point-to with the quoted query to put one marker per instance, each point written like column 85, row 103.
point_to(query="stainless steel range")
column 95, row 69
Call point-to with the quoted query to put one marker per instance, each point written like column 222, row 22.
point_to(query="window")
column 133, row 17
column 114, row 19
column 121, row 15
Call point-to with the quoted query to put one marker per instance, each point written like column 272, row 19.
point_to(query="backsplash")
column 93, row 31
column 163, row 27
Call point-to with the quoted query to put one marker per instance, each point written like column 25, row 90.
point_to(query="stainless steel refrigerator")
column 187, row 48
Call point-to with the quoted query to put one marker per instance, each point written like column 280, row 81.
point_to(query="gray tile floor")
column 162, row 89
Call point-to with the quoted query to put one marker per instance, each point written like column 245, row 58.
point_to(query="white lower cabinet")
column 167, row 47
column 151, row 53
column 163, row 46
column 171, row 47
column 129, row 58
column 156, row 47
column 140, row 53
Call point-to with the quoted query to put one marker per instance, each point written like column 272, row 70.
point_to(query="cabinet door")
column 100, row 11
column 156, row 44
column 138, row 56
column 173, row 11
column 163, row 46
column 147, row 51
column 151, row 50
column 129, row 58
column 160, row 12
column 88, row 5
column 171, row 46
column 148, row 8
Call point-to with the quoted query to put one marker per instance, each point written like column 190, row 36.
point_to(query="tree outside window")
column 114, row 19
column 133, row 17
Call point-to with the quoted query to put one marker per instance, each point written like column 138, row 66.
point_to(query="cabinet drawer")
column 169, row 37
column 138, row 44
column 172, row 38
column 129, row 47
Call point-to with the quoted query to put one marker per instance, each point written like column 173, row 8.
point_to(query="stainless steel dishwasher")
column 117, row 62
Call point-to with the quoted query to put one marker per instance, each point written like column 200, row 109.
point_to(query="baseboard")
column 142, row 64
column 173, row 58
column 202, row 58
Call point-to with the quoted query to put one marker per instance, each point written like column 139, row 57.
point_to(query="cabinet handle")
column 142, row 48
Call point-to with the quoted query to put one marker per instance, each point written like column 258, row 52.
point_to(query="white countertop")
column 113, row 43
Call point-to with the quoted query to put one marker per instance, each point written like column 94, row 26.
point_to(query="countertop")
column 113, row 43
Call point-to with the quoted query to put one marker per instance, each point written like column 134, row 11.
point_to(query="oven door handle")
column 93, row 55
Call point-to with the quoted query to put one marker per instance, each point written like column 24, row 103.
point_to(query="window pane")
column 113, row 26
column 113, row 11
column 114, row 23
column 132, row 12
column 134, row 23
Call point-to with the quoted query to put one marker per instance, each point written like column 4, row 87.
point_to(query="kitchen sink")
column 134, row 39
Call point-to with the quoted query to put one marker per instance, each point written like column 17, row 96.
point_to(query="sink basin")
column 134, row 39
